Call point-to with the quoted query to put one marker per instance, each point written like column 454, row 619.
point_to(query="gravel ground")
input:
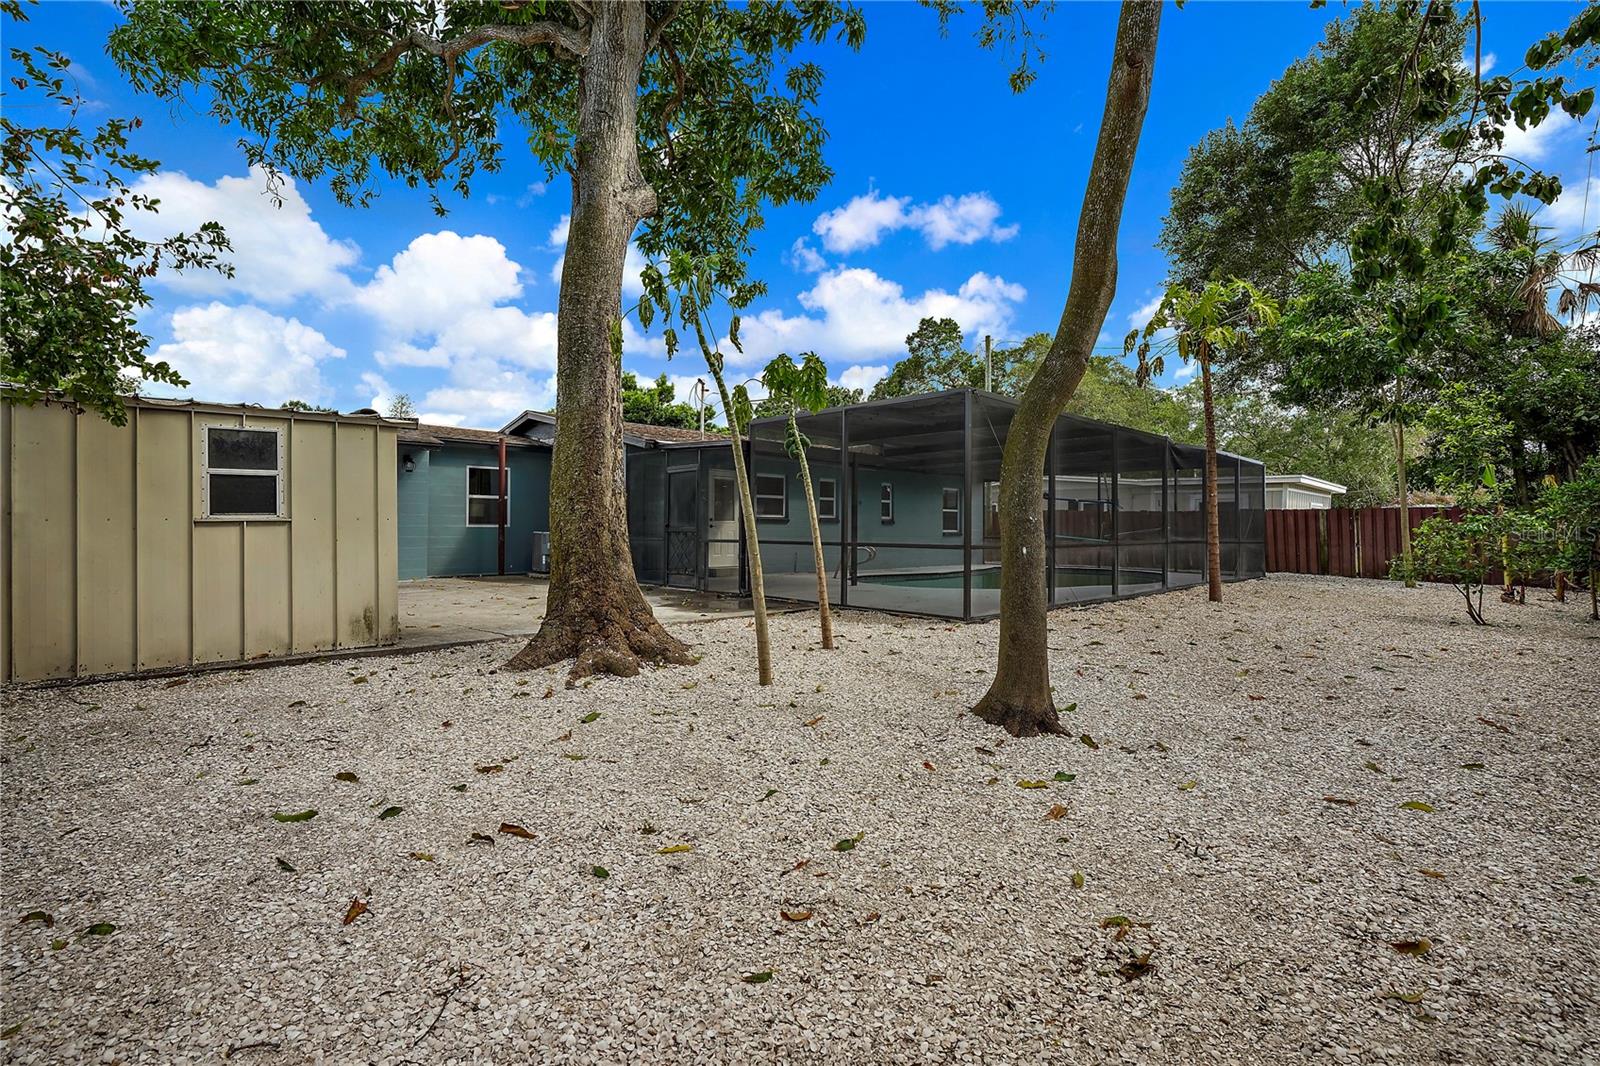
column 968, row 923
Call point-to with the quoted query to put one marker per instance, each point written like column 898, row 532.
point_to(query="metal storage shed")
column 196, row 533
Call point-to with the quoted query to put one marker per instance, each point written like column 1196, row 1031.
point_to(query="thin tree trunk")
column 1213, row 527
column 824, row 616
column 1400, row 481
column 758, row 591
column 595, row 612
column 1019, row 699
column 1594, row 595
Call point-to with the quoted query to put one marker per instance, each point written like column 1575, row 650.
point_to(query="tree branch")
column 573, row 42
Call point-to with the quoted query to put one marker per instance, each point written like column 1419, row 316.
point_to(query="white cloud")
column 489, row 402
column 805, row 258
column 558, row 232
column 1566, row 215
column 1140, row 316
column 280, row 253
column 863, row 221
column 863, row 377
column 246, row 355
column 382, row 395
column 1535, row 143
column 856, row 315
column 1185, row 372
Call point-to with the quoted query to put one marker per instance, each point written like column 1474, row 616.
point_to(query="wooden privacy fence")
column 1341, row 541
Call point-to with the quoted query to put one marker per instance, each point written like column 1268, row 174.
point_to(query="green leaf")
column 1062, row 775
column 99, row 929
column 600, row 871
column 759, row 978
column 1089, row 742
column 298, row 816
column 389, row 812
column 458, row 788
column 592, row 716
column 770, row 793
column 1416, row 805
column 346, row 775
column 285, row 867
column 849, row 843
column 1025, row 783
column 1077, row 879
column 675, row 849
column 1068, row 709
column 44, row 918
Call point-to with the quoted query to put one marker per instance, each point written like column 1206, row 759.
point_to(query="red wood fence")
column 1342, row 541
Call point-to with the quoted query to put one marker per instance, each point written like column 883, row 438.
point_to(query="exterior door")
column 722, row 526
column 683, row 528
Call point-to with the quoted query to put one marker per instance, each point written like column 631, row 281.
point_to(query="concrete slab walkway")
column 452, row 610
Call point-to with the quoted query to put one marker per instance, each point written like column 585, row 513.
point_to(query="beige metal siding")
column 107, row 565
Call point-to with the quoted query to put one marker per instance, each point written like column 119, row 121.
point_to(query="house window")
column 772, row 497
column 951, row 514
column 483, row 495
column 886, row 504
column 828, row 500
column 242, row 473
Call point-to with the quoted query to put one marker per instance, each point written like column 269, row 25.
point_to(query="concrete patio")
column 453, row 610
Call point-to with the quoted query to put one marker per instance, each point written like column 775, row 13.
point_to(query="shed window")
column 886, row 504
column 772, row 496
column 828, row 500
column 242, row 472
column 483, row 495
column 951, row 513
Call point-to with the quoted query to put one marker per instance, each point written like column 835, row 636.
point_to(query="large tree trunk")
column 824, row 616
column 595, row 613
column 1213, row 528
column 1019, row 698
column 741, row 475
column 1400, row 484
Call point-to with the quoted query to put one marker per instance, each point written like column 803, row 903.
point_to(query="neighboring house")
column 195, row 533
column 1300, row 492
column 449, row 493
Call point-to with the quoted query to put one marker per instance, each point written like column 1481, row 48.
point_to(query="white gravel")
column 954, row 931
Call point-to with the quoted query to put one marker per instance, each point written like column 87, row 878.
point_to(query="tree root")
column 1021, row 719
column 616, row 648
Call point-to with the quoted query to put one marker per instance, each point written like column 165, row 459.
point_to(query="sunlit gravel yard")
column 1218, row 870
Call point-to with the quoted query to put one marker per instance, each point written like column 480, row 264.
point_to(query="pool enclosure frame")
column 914, row 517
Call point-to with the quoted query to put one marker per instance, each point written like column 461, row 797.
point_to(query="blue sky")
column 951, row 196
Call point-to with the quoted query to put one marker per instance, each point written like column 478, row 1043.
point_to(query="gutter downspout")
column 501, row 524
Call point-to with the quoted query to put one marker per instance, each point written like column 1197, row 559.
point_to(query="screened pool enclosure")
column 907, row 497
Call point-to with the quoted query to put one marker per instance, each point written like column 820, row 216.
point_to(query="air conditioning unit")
column 541, row 551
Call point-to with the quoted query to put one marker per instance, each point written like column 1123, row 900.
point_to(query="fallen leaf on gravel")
column 57, row 945
column 10, row 1031
column 600, row 871
column 1405, row 997
column 1340, row 800
column 574, row 756
column 675, row 849
column 42, row 917
column 1425, row 872
column 298, row 816
column 346, row 775
column 1374, row 767
column 481, row 838
column 770, row 793
column 1068, row 709
column 1062, row 775
column 362, row 680
column 357, row 909
column 1416, row 805
column 458, row 788
column 1077, row 879
column 1140, row 696
column 814, row 721
column 1188, row 786
column 592, row 716
column 1472, row 766
column 757, row 978
column 99, row 929
column 928, row 766
column 1025, row 783
column 285, row 867
column 796, row 916
column 422, row 856
column 1253, row 696
column 389, row 812
column 1583, row 879
column 565, row 736
column 493, row 769
column 1056, row 813
column 981, row 750
column 1492, row 722
column 298, row 703
column 1088, row 740
column 512, row 830
column 874, row 916
column 849, row 843
column 549, row 692
column 1136, row 967
column 1420, row 946
column 248, row 781
column 175, row 684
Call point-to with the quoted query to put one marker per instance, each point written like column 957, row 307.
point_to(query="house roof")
column 430, row 435
column 1306, row 481
column 637, row 432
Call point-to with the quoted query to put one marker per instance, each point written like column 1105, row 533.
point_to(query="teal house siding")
column 436, row 540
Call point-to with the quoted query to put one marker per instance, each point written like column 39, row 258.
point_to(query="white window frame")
column 832, row 513
column 782, row 496
column 206, row 470
column 945, row 510
column 492, row 496
column 886, row 499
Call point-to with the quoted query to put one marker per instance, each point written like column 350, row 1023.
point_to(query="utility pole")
column 988, row 363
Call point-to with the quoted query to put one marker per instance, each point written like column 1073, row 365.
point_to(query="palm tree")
column 797, row 387
column 1548, row 270
column 1209, row 321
